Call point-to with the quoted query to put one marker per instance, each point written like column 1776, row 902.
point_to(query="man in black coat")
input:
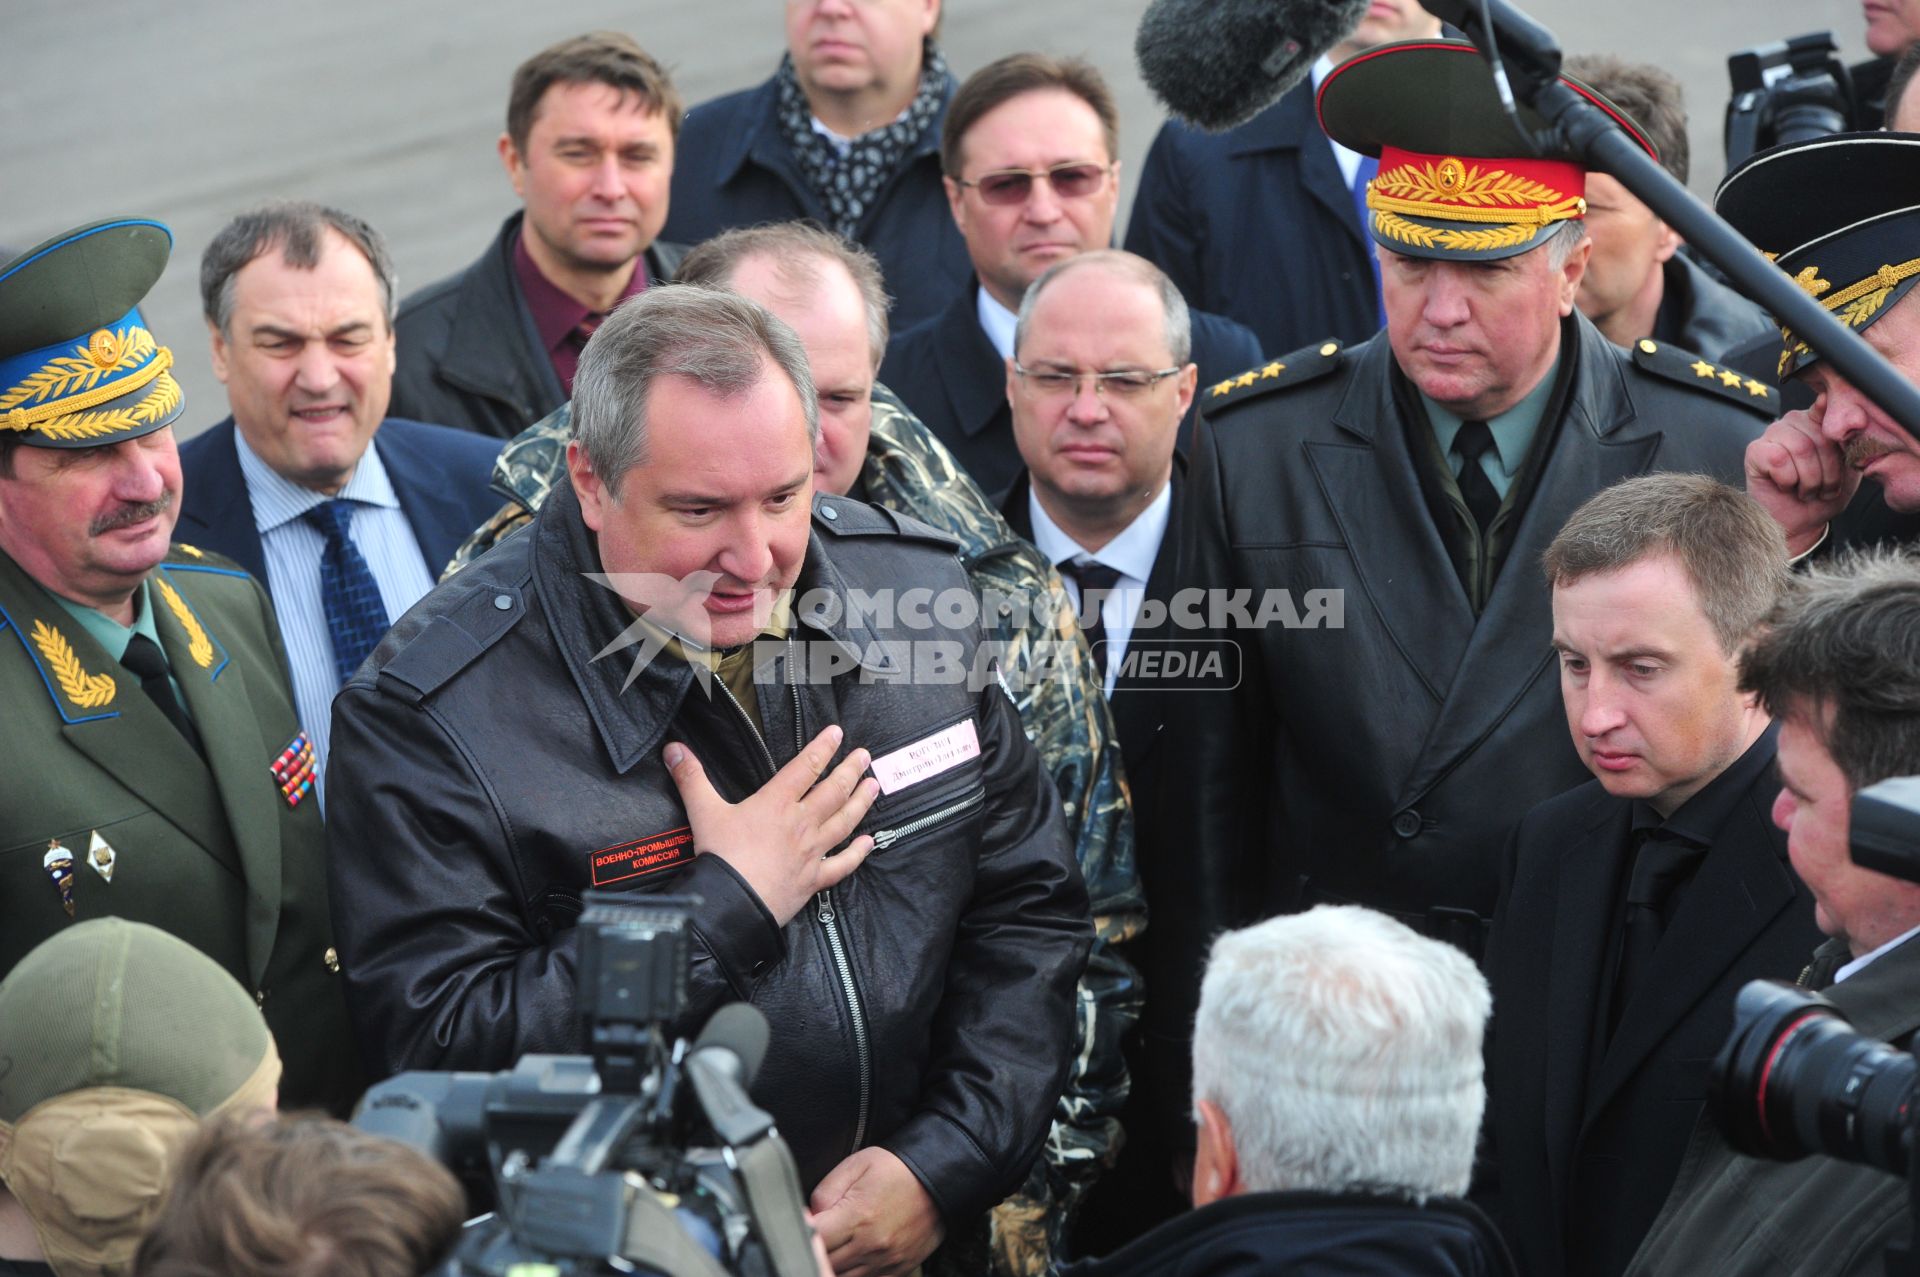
column 1841, row 214
column 1637, row 905
column 1031, row 179
column 589, row 148
column 846, row 133
column 1367, row 521
column 1261, row 223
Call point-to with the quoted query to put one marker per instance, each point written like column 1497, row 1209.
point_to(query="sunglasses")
column 1015, row 186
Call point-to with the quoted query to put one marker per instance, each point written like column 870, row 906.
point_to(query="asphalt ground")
column 192, row 110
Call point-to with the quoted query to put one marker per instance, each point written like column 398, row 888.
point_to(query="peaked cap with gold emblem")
column 78, row 366
column 1841, row 214
column 1457, row 180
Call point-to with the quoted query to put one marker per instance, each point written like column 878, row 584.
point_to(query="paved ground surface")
column 193, row 109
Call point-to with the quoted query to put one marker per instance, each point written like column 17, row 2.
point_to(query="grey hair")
column 298, row 229
column 1729, row 546
column 716, row 339
column 1345, row 1051
column 1841, row 653
column 796, row 249
column 1173, row 306
column 1571, row 235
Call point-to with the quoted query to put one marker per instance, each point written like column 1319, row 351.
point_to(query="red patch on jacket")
column 653, row 854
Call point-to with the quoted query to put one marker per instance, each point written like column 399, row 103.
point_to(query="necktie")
column 145, row 659
column 1483, row 501
column 1660, row 865
column 1093, row 577
column 356, row 618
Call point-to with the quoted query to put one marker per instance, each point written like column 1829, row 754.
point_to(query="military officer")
column 151, row 765
column 1378, row 752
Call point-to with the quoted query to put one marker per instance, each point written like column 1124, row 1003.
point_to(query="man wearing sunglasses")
column 1031, row 179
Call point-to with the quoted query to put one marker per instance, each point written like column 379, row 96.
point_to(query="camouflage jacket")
column 1050, row 679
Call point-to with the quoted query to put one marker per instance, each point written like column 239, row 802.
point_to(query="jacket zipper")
column 829, row 920
column 887, row 837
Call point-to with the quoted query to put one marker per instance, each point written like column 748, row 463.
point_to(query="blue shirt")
column 292, row 548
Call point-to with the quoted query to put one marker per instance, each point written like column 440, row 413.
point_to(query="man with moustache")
column 1841, row 215
column 1418, row 477
column 846, row 134
column 153, row 767
column 1266, row 223
column 914, row 935
column 589, row 148
column 1635, row 906
column 1031, row 179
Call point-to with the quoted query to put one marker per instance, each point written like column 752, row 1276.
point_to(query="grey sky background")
column 191, row 110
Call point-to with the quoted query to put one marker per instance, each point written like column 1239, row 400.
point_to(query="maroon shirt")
column 563, row 323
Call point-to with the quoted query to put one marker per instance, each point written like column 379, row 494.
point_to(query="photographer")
column 1840, row 669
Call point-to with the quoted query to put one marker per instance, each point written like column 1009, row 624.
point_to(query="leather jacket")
column 488, row 768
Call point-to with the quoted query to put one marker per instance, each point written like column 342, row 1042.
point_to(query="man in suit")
column 1031, row 179
column 346, row 515
column 1098, row 384
column 1635, row 906
column 153, row 767
column 1841, row 215
column 847, row 134
column 1838, row 666
column 589, row 148
column 1265, row 223
column 1381, row 753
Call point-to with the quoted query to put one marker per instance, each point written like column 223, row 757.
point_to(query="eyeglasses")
column 1126, row 383
column 1015, row 186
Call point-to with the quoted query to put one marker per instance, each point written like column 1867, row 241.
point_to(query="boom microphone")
column 1218, row 63
column 721, row 1067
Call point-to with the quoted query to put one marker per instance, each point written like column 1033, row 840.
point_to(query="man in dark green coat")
column 151, row 763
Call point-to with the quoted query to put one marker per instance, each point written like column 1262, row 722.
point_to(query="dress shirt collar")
column 109, row 633
column 998, row 322
column 1701, row 818
column 1513, row 429
column 1860, row 963
column 1131, row 553
column 555, row 313
column 278, row 500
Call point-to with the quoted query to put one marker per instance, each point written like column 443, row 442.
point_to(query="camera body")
column 645, row 1155
column 1787, row 91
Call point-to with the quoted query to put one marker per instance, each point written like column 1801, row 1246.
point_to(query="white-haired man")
column 1338, row 1088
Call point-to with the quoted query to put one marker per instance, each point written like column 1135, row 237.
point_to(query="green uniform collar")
column 1513, row 430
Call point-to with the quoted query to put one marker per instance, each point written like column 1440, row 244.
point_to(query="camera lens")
column 1796, row 1079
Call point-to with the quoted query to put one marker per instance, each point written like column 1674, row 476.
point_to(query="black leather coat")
column 486, row 766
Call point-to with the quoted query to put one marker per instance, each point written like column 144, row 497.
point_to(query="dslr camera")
column 1787, row 91
column 644, row 1155
column 1794, row 1078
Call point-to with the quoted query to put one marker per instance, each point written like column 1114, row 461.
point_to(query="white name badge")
column 926, row 758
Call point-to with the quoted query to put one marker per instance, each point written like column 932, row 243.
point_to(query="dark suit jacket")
column 1257, row 224
column 950, row 375
column 1587, row 1147
column 439, row 475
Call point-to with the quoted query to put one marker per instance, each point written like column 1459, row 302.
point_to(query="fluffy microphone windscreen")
column 1219, row 63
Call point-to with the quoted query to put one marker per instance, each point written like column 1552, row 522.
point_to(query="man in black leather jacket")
column 914, row 935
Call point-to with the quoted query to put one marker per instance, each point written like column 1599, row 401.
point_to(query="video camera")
column 1794, row 1078
column 645, row 1155
column 1787, row 91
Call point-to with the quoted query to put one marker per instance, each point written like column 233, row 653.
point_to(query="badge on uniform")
column 59, row 866
column 654, row 854
column 101, row 856
column 293, row 770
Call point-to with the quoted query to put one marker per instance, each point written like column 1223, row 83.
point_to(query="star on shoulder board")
column 1301, row 366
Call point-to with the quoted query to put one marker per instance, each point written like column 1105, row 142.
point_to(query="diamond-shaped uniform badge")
column 101, row 856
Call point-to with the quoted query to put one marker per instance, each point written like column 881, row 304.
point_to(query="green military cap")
column 78, row 366
column 1841, row 214
column 1458, row 181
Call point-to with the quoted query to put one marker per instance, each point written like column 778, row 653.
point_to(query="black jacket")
column 1313, row 1235
column 1258, row 224
column 1382, row 758
column 950, row 375
column 1701, row 314
column 488, row 769
column 468, row 353
column 732, row 167
column 1587, row 1143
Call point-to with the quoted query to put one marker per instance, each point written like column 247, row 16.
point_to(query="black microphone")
column 1218, row 63
column 722, row 1065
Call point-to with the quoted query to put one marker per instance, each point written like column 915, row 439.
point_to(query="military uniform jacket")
column 1382, row 759
column 210, row 851
column 487, row 770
